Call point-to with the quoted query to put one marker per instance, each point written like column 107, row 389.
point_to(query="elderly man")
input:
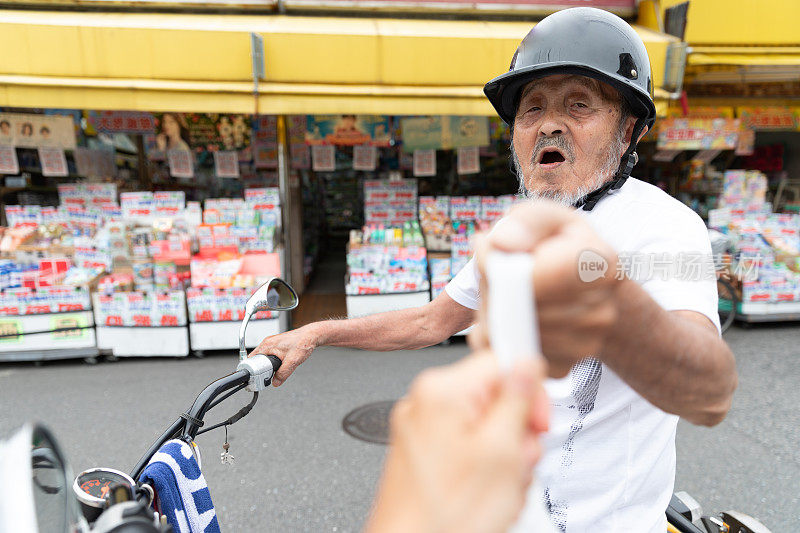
column 627, row 352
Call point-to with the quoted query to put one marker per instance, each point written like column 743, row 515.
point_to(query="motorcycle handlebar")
column 190, row 422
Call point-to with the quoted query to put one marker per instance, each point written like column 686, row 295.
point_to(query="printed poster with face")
column 323, row 158
column 199, row 132
column 226, row 164
column 32, row 131
column 181, row 164
column 468, row 160
column 53, row 161
column 424, row 163
column 8, row 160
column 365, row 157
column 348, row 130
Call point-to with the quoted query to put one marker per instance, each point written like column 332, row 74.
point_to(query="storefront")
column 272, row 164
column 730, row 146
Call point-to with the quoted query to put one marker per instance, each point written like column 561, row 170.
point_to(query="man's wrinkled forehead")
column 560, row 80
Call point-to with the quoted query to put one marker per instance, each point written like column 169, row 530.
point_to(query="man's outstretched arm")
column 674, row 359
column 406, row 329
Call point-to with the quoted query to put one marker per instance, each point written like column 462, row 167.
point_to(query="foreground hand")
column 574, row 280
column 292, row 348
column 463, row 445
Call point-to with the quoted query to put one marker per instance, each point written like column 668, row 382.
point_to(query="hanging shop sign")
column 468, row 160
column 776, row 118
column 95, row 163
column 698, row 134
column 444, row 132
column 299, row 153
column 365, row 157
column 265, row 141
column 53, row 160
column 132, row 122
column 8, row 160
column 348, row 130
column 180, row 163
column 424, row 163
column 323, row 157
column 226, row 164
column 32, row 131
column 199, row 132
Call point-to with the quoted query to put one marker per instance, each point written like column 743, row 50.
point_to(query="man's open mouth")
column 550, row 156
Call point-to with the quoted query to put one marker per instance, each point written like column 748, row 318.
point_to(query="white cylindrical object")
column 513, row 331
column 514, row 334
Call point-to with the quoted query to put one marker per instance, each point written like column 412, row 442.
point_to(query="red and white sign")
column 8, row 160
column 365, row 157
column 53, row 161
column 424, row 163
column 180, row 163
column 468, row 160
column 122, row 121
column 323, row 158
column 226, row 164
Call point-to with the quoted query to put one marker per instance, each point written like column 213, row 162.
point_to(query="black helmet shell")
column 585, row 41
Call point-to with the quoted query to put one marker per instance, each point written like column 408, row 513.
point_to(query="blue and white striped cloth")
column 181, row 489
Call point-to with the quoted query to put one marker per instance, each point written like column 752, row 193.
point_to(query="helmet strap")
column 629, row 160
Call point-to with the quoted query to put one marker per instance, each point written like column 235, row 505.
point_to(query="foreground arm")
column 406, row 329
column 463, row 445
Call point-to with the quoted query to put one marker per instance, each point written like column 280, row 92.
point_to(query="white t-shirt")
column 609, row 461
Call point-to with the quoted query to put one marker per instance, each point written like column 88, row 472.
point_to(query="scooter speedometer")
column 93, row 485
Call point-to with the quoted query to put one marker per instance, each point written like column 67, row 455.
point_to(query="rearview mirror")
column 274, row 295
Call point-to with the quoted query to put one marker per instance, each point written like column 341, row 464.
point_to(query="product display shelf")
column 751, row 312
column 370, row 304
column 133, row 341
column 224, row 335
column 122, row 338
column 42, row 337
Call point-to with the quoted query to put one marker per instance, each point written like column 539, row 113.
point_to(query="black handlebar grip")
column 276, row 363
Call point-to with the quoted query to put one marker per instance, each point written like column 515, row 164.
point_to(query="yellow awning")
column 752, row 58
column 182, row 62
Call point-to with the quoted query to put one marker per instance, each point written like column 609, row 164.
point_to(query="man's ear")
column 629, row 130
column 644, row 132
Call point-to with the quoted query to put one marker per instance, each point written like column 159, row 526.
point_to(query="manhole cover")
column 369, row 422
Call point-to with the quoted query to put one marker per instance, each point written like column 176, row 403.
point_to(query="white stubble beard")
column 606, row 172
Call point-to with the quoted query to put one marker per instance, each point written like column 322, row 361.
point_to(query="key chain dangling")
column 226, row 457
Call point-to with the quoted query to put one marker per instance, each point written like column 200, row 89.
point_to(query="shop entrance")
column 324, row 297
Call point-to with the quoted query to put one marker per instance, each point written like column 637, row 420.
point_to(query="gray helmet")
column 589, row 42
column 580, row 40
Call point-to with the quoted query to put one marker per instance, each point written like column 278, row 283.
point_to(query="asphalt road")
column 296, row 470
